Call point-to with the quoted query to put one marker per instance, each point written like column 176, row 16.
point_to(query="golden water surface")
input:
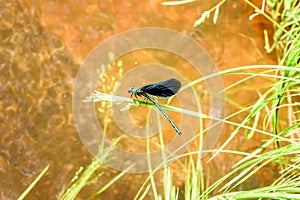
column 43, row 44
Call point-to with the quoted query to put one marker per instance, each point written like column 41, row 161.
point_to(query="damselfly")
column 162, row 89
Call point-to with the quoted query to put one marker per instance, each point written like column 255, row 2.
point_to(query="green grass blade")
column 25, row 193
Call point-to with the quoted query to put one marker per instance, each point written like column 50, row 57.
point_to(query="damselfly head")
column 130, row 90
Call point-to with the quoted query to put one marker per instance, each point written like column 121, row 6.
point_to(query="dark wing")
column 163, row 89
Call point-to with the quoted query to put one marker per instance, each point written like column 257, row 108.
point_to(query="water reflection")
column 36, row 123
